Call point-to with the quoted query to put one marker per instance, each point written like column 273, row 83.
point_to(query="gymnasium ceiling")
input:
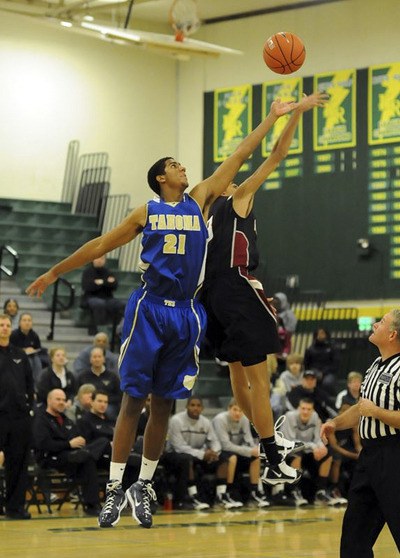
column 151, row 15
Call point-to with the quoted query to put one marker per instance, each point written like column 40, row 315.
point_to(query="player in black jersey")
column 242, row 322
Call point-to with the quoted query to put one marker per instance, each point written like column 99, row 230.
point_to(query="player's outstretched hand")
column 40, row 284
column 327, row 429
column 314, row 100
column 279, row 108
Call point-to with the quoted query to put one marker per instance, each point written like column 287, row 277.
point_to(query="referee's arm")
column 368, row 409
column 348, row 419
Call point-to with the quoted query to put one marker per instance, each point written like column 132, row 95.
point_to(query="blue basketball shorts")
column 160, row 346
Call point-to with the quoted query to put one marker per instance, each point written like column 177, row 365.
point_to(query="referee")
column 374, row 496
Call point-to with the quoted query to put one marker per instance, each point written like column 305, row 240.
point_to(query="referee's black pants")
column 374, row 498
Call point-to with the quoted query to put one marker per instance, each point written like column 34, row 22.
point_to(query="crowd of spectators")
column 75, row 412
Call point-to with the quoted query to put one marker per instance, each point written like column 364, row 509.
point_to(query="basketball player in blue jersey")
column 164, row 322
column 242, row 323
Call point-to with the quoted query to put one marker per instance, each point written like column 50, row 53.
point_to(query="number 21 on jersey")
column 174, row 244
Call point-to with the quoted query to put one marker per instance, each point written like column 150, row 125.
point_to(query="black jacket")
column 90, row 288
column 49, row 380
column 322, row 405
column 49, row 438
column 108, row 381
column 16, row 382
column 93, row 427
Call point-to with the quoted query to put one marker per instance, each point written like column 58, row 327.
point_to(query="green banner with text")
column 384, row 104
column 232, row 119
column 335, row 123
column 287, row 90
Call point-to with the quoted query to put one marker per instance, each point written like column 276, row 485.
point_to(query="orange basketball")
column 284, row 53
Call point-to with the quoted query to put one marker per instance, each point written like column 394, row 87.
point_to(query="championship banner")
column 335, row 123
column 287, row 90
column 384, row 104
column 232, row 119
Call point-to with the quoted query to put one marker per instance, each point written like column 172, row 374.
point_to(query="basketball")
column 284, row 53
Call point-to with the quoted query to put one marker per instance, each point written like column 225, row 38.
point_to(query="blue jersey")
column 173, row 248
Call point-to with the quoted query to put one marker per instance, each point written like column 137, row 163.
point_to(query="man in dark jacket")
column 98, row 284
column 309, row 390
column 16, row 398
column 59, row 446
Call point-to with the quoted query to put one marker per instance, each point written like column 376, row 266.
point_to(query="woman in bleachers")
column 11, row 308
column 57, row 376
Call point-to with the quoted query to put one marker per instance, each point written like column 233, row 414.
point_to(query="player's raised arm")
column 243, row 195
column 211, row 188
column 126, row 231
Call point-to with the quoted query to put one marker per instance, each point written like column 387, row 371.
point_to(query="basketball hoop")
column 184, row 18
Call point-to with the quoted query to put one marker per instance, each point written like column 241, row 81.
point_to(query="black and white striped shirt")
column 381, row 385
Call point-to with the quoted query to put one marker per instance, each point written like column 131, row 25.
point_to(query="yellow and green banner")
column 232, row 119
column 335, row 123
column 287, row 90
column 384, row 104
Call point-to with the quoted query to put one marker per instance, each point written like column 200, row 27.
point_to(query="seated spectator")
column 291, row 377
column 96, row 424
column 28, row 340
column 98, row 430
column 103, row 379
column 304, row 424
column 285, row 382
column 58, row 445
column 82, row 361
column 82, row 403
column 191, row 439
column 57, row 376
column 323, row 357
column 234, row 434
column 287, row 322
column 351, row 394
column 98, row 284
column 346, row 447
column 11, row 309
column 310, row 390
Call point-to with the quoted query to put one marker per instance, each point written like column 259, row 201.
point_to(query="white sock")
column 147, row 469
column 221, row 489
column 117, row 471
column 192, row 490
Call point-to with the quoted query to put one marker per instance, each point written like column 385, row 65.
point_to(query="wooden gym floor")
column 276, row 533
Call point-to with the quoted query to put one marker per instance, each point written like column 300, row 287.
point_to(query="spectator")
column 11, row 309
column 57, row 376
column 102, row 379
column 28, row 340
column 59, row 446
column 16, row 399
column 234, row 434
column 304, row 424
column 285, row 382
column 350, row 395
column 309, row 389
column 82, row 361
column 287, row 322
column 82, row 403
column 191, row 440
column 346, row 447
column 98, row 430
column 323, row 357
column 98, row 284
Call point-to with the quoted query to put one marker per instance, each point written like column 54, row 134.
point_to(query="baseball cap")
column 309, row 373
